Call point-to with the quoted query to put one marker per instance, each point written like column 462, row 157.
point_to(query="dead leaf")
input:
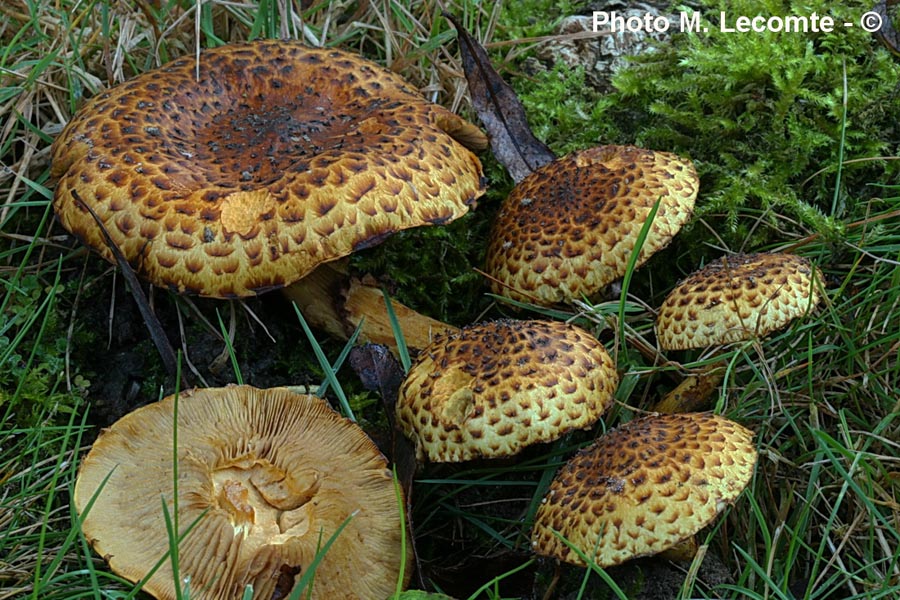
column 379, row 371
column 886, row 33
column 500, row 111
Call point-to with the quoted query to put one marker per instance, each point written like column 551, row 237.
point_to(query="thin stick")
column 157, row 334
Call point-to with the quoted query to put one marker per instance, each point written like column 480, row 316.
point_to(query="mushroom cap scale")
column 737, row 298
column 494, row 388
column 278, row 158
column 643, row 487
column 568, row 229
column 268, row 474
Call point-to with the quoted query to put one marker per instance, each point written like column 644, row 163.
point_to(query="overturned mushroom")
column 243, row 172
column 496, row 387
column 644, row 487
column 569, row 228
column 265, row 478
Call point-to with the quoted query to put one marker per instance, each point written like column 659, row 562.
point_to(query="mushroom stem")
column 683, row 551
column 693, row 393
column 335, row 302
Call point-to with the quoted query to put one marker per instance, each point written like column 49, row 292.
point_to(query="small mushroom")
column 243, row 172
column 568, row 229
column 496, row 387
column 644, row 487
column 265, row 477
column 737, row 298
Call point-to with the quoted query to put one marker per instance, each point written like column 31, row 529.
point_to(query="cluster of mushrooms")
column 266, row 162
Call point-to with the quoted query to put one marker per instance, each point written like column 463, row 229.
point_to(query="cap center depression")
column 272, row 137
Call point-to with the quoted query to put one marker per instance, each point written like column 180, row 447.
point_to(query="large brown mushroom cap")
column 569, row 228
column 268, row 474
column 644, row 487
column 496, row 387
column 278, row 158
column 737, row 298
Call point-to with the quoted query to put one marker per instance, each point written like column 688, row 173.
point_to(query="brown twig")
column 157, row 333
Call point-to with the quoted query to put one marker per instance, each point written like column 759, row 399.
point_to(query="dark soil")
column 126, row 371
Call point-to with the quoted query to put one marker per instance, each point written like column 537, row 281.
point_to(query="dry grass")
column 58, row 53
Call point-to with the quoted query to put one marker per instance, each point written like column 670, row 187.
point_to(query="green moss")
column 565, row 112
column 761, row 114
column 533, row 18
column 431, row 268
column 33, row 349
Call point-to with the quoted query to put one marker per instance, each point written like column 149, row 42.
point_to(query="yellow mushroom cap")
column 737, row 298
column 265, row 477
column 494, row 388
column 568, row 229
column 279, row 157
column 643, row 487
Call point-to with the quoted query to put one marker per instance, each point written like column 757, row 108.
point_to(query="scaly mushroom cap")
column 569, row 228
column 496, row 387
column 267, row 475
column 644, row 487
column 737, row 298
column 278, row 158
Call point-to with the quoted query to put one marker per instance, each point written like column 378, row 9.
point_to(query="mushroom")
column 496, row 387
column 242, row 172
column 265, row 478
column 568, row 229
column 643, row 488
column 737, row 298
